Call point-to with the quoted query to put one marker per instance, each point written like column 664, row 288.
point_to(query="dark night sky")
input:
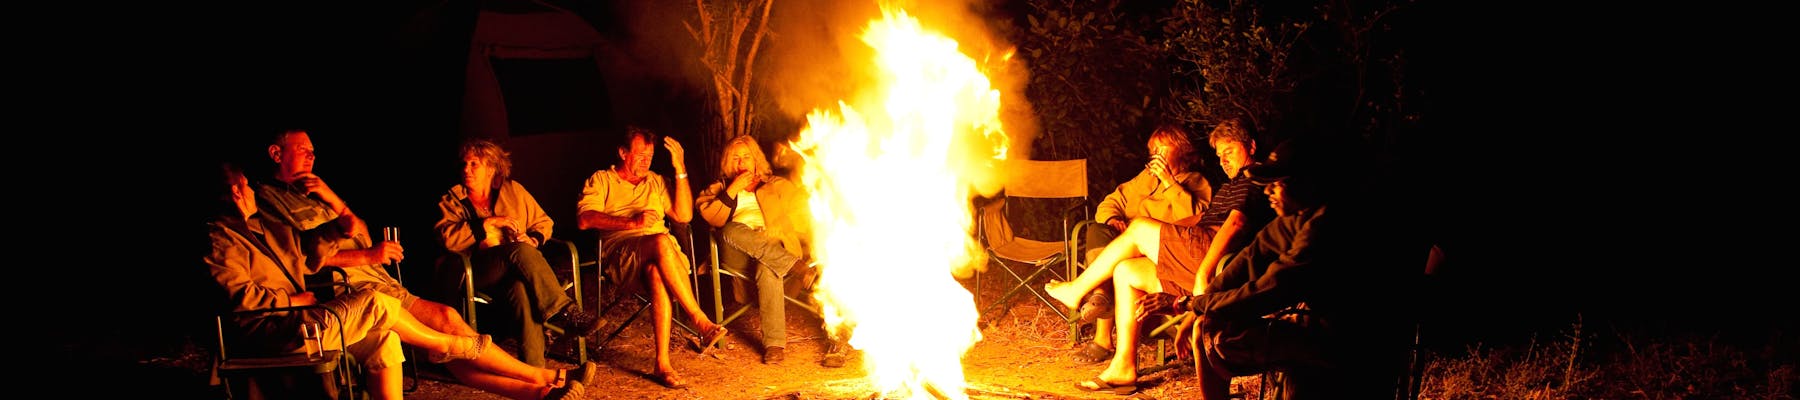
column 1567, row 178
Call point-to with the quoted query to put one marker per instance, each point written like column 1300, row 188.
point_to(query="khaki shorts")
column 626, row 259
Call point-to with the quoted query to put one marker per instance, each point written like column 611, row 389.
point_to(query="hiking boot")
column 577, row 322
column 774, row 355
column 836, row 354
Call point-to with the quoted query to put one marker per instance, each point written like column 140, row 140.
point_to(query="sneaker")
column 774, row 355
column 835, row 355
column 569, row 391
column 577, row 322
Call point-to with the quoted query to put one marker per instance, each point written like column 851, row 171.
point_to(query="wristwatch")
column 1187, row 301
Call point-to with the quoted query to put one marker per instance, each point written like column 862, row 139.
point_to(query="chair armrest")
column 219, row 322
column 556, row 247
column 326, row 283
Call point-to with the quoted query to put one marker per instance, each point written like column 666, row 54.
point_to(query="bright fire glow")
column 891, row 179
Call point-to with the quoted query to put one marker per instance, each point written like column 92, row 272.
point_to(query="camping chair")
column 1029, row 190
column 1417, row 360
column 260, row 375
column 738, row 267
column 638, row 301
column 552, row 249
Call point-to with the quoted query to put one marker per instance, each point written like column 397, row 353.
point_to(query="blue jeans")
column 773, row 264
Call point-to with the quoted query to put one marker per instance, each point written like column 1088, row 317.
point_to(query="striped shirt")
column 1242, row 195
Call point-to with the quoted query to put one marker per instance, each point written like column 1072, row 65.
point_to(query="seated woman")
column 499, row 226
column 764, row 217
column 258, row 263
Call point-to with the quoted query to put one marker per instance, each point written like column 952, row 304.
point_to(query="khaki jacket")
column 784, row 206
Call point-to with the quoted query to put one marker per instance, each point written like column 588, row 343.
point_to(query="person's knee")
column 522, row 252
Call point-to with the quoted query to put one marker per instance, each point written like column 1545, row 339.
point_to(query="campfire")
column 892, row 172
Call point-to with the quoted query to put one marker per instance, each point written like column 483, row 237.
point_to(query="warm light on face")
column 637, row 158
column 296, row 156
column 1232, row 157
column 476, row 171
column 891, row 208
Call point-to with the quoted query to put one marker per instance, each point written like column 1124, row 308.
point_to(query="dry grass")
column 1617, row 365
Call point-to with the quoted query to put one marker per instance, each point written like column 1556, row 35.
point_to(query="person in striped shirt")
column 1152, row 256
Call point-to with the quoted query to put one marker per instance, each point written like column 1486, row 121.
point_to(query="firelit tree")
column 1327, row 67
column 730, row 32
column 1093, row 75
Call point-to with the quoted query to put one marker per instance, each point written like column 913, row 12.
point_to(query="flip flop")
column 1101, row 386
column 1091, row 353
column 711, row 339
column 669, row 380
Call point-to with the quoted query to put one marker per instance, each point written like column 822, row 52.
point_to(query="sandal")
column 1092, row 353
column 669, row 380
column 1102, row 386
column 572, row 391
column 710, row 339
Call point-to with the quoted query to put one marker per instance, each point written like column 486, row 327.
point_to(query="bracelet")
column 680, row 176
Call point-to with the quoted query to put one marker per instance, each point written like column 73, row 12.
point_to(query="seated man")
column 627, row 204
column 258, row 263
column 1324, row 254
column 1167, row 190
column 764, row 217
column 333, row 235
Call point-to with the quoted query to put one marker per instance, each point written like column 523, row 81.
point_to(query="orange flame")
column 891, row 183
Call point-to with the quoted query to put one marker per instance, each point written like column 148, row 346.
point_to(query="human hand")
column 1159, row 167
column 386, row 252
column 744, row 181
column 1160, row 304
column 303, row 298
column 314, row 185
column 504, row 228
column 677, row 155
column 649, row 218
column 1117, row 223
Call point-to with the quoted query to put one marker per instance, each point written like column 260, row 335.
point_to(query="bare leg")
column 1141, row 239
column 1103, row 336
column 1135, row 277
column 664, row 320
column 671, row 265
column 385, row 383
column 529, row 382
column 414, row 332
column 499, row 384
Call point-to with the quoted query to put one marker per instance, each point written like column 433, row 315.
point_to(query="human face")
column 293, row 156
column 739, row 159
column 1233, row 156
column 242, row 196
column 1278, row 200
column 637, row 158
column 477, row 172
column 1161, row 149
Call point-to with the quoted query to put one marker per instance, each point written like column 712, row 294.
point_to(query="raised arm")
column 683, row 193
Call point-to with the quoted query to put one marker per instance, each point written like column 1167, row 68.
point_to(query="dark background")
column 1582, row 169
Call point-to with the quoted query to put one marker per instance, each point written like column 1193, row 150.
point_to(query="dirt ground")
column 1023, row 355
